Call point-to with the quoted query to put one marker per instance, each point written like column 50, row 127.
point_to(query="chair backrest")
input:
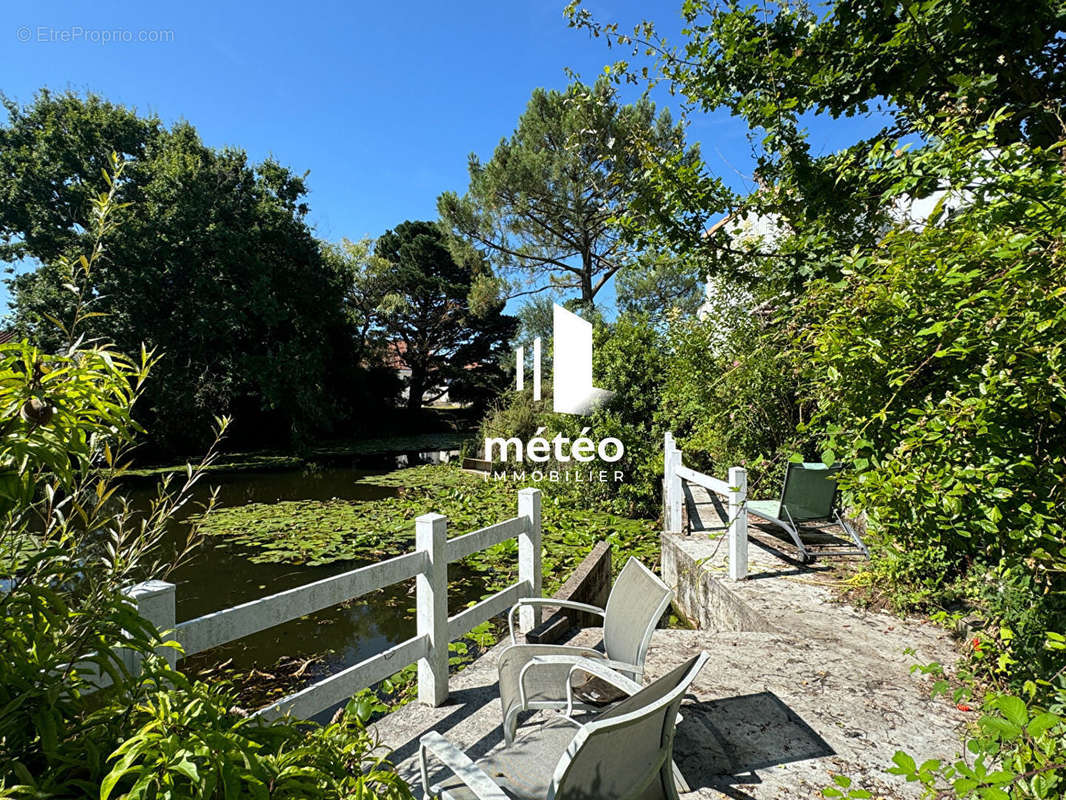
column 634, row 607
column 809, row 491
column 626, row 751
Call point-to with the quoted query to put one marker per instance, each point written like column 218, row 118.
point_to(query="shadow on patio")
column 721, row 743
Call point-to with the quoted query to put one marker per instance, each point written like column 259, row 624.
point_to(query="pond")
column 220, row 574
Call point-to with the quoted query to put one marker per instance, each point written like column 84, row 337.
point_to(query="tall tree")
column 660, row 284
column 365, row 278
column 544, row 206
column 911, row 65
column 53, row 154
column 212, row 263
column 438, row 317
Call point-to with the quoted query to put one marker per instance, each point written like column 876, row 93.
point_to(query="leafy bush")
column 936, row 365
column 515, row 414
column 730, row 395
column 185, row 744
column 88, row 708
column 629, row 358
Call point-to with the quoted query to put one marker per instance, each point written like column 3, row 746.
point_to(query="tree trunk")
column 416, row 387
column 587, row 294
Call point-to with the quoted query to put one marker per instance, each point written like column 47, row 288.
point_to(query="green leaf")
column 107, row 785
column 905, row 763
column 188, row 769
column 1043, row 722
column 1014, row 709
column 1004, row 729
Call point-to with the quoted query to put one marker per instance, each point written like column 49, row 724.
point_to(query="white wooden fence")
column 735, row 489
column 428, row 565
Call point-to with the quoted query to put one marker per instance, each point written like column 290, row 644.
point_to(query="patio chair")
column 808, row 494
column 537, row 676
column 624, row 752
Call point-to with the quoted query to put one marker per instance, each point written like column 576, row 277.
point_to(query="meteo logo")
column 572, row 389
column 573, row 393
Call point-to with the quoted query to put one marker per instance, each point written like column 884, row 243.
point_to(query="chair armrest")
column 459, row 763
column 601, row 671
column 600, row 667
column 616, row 666
column 548, row 601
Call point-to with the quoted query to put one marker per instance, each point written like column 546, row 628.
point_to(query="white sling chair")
column 624, row 753
column 536, row 676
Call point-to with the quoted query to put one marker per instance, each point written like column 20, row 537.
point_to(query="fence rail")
column 428, row 565
column 735, row 489
column 220, row 627
column 715, row 485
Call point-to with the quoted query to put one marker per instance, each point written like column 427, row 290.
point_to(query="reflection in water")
column 218, row 576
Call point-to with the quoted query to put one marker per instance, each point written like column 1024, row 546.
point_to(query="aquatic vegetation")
column 310, row 532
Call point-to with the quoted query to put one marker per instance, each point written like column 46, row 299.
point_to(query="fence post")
column 431, row 595
column 536, row 369
column 668, row 449
column 673, row 489
column 529, row 555
column 155, row 601
column 738, row 523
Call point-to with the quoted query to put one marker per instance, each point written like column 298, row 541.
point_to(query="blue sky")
column 381, row 103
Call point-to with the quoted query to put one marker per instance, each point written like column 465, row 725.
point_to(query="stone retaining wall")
column 701, row 596
column 590, row 583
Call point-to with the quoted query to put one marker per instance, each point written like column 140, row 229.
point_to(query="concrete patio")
column 798, row 687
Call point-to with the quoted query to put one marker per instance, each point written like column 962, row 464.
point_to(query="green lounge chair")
column 809, row 494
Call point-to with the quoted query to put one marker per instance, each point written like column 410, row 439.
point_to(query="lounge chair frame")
column 798, row 506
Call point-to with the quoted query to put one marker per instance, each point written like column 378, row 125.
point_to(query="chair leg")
column 680, row 784
column 510, row 725
column 667, row 784
column 793, row 531
column 851, row 532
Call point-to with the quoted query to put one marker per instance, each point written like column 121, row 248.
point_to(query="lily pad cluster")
column 309, row 532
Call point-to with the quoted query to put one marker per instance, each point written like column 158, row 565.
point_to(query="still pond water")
column 220, row 575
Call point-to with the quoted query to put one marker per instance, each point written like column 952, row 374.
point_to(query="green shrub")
column 730, row 395
column 936, row 365
column 76, row 719
column 514, row 414
column 186, row 745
